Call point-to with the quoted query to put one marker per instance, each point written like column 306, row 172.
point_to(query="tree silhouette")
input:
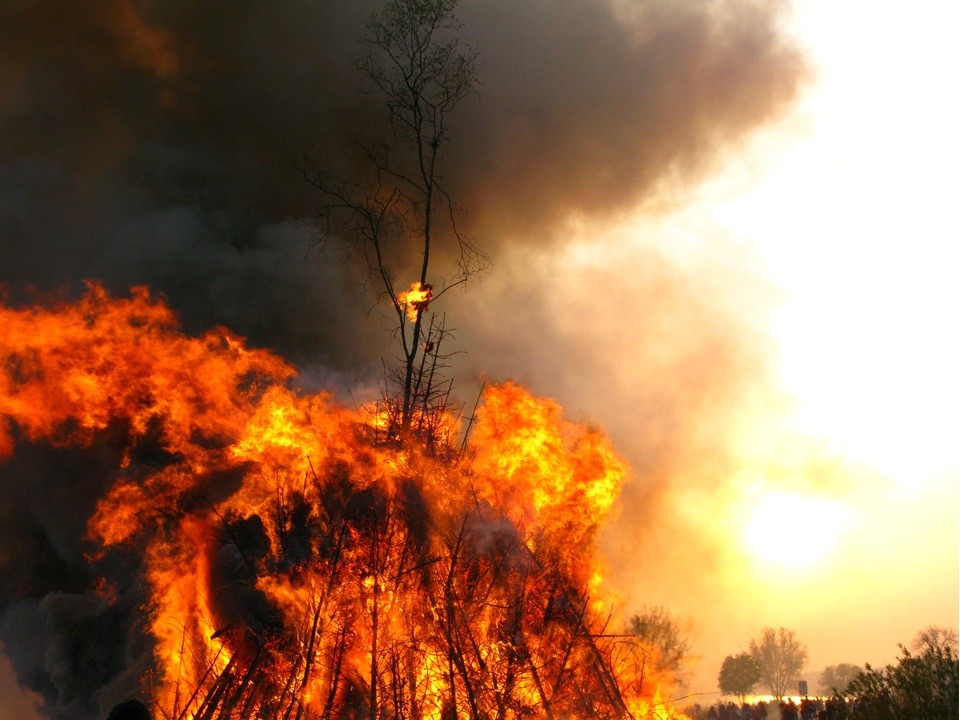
column 781, row 658
column 918, row 687
column 410, row 55
column 739, row 674
column 933, row 637
column 835, row 678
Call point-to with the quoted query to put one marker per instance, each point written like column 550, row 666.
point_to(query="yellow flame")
column 415, row 300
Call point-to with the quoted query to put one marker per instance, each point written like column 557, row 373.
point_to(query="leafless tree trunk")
column 412, row 56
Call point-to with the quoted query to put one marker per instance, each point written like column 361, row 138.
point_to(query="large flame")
column 299, row 568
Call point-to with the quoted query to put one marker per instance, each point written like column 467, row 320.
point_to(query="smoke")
column 667, row 349
column 158, row 144
column 587, row 112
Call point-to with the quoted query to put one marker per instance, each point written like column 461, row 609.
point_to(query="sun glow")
column 854, row 221
column 793, row 530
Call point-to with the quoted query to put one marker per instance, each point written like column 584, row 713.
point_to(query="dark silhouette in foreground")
column 129, row 710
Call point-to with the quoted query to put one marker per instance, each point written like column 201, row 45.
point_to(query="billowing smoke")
column 159, row 144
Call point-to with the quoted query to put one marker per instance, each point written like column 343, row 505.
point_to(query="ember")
column 297, row 567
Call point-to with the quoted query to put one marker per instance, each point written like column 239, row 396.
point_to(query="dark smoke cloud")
column 159, row 143
column 588, row 112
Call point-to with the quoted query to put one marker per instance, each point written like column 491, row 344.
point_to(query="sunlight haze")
column 849, row 205
column 722, row 236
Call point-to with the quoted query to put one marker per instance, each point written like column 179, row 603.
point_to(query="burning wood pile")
column 296, row 567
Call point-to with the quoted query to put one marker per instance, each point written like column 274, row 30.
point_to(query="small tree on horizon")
column 935, row 637
column 739, row 675
column 781, row 658
column 835, row 678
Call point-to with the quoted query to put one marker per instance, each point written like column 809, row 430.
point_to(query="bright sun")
column 793, row 530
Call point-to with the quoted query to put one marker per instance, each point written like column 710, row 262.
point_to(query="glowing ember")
column 298, row 568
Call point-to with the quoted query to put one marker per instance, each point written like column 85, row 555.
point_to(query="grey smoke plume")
column 157, row 143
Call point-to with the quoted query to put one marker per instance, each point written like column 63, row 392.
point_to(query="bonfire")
column 296, row 564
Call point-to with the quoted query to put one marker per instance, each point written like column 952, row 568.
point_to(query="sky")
column 722, row 232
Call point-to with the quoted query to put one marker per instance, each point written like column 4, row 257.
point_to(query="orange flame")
column 299, row 568
column 415, row 300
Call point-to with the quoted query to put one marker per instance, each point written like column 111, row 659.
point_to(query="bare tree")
column 935, row 637
column 411, row 55
column 781, row 658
